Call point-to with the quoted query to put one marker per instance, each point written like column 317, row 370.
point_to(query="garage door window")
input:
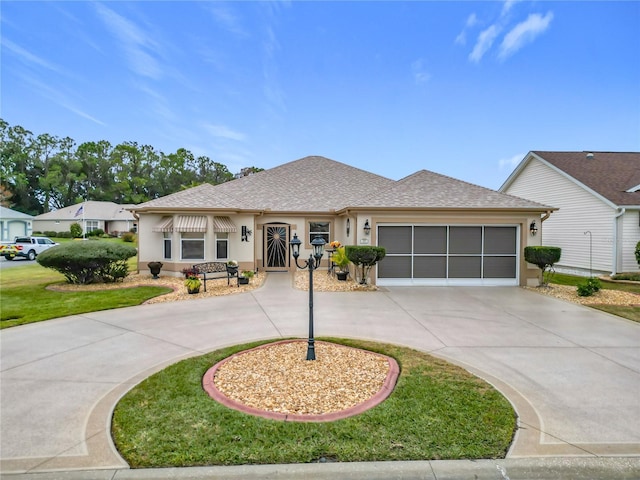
column 448, row 252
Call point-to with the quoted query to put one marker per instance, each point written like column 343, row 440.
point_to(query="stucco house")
column 436, row 230
column 91, row 215
column 14, row 224
column 598, row 196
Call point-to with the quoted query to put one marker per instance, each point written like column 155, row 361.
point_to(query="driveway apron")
column 572, row 373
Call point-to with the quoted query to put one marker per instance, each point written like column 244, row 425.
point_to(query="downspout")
column 615, row 240
column 137, row 217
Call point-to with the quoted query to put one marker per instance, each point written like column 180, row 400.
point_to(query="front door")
column 276, row 247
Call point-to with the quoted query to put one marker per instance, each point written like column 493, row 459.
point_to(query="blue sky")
column 465, row 89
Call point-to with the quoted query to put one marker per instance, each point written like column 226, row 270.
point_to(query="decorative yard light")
column 532, row 228
column 367, row 227
column 312, row 264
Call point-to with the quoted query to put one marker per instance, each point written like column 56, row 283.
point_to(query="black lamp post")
column 312, row 264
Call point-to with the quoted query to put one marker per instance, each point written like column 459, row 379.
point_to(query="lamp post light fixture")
column 312, row 264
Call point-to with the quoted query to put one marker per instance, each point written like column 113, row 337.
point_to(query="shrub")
column 76, row 230
column 589, row 287
column 364, row 257
column 48, row 233
column 543, row 257
column 634, row 277
column 98, row 232
column 637, row 252
column 89, row 262
column 63, row 235
column 128, row 237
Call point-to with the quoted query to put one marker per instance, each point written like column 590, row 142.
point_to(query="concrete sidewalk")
column 572, row 373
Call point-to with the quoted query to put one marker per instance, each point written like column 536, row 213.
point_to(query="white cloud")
column 508, row 4
column 484, row 42
column 138, row 46
column 60, row 98
column 510, row 162
column 221, row 131
column 29, row 58
column 524, row 33
column 420, row 74
column 226, row 19
column 461, row 39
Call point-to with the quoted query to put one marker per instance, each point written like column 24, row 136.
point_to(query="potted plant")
column 342, row 262
column 155, row 268
column 244, row 277
column 232, row 267
column 192, row 283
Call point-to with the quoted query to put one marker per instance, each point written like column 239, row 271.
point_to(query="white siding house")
column 597, row 224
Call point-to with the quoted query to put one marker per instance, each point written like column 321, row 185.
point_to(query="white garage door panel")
column 448, row 255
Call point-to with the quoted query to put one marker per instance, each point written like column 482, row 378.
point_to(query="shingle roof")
column 425, row 189
column 93, row 210
column 609, row 174
column 8, row 213
column 318, row 184
column 308, row 184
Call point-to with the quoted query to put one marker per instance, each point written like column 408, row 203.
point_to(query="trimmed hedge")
column 543, row 257
column 89, row 262
column 364, row 257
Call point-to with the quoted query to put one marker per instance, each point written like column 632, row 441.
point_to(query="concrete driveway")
column 572, row 373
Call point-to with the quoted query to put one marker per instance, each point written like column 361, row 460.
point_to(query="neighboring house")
column 108, row 216
column 14, row 224
column 436, row 230
column 598, row 196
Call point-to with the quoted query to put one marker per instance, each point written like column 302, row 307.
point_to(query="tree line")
column 45, row 172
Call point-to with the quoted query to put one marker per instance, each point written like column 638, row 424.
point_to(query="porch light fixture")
column 532, row 228
column 367, row 227
column 348, row 226
column 312, row 264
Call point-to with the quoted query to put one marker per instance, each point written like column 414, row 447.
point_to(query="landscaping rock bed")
column 603, row 297
column 277, row 378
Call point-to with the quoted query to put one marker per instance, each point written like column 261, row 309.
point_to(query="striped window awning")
column 223, row 224
column 191, row 224
column 165, row 225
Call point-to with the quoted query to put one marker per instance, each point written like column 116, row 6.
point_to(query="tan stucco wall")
column 250, row 254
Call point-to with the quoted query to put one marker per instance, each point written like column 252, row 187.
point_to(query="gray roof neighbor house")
column 14, row 224
column 598, row 197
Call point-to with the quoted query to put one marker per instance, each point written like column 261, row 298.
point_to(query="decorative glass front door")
column 276, row 247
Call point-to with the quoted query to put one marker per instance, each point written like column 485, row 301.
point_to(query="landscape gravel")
column 278, row 378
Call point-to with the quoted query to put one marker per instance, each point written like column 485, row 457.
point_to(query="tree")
column 543, row 257
column 364, row 257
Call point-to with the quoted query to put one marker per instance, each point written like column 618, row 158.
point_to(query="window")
column 319, row 228
column 167, row 245
column 91, row 225
column 222, row 246
column 192, row 246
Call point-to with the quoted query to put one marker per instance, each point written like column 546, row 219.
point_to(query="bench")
column 213, row 268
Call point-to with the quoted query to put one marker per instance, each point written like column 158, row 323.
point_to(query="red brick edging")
column 387, row 387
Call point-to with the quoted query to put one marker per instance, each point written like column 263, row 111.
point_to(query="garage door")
column 448, row 255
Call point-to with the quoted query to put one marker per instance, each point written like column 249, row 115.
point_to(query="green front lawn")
column 25, row 298
column 437, row 411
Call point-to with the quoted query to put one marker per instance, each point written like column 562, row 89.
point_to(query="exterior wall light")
column 533, row 229
column 367, row 227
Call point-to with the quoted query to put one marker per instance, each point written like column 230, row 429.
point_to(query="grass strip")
column 25, row 298
column 437, row 411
